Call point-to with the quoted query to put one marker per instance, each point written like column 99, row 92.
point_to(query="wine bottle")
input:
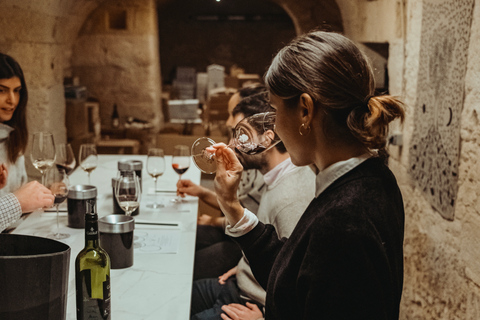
column 92, row 275
column 115, row 117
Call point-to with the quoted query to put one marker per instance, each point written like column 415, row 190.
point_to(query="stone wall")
column 116, row 57
column 442, row 269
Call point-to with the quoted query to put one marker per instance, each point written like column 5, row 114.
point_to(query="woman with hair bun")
column 344, row 259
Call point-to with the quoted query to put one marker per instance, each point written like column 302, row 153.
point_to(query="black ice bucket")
column 33, row 278
column 116, row 237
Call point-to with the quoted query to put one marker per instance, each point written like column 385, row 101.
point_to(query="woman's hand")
column 3, row 175
column 224, row 277
column 227, row 179
column 235, row 311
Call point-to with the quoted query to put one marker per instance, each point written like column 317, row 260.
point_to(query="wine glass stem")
column 58, row 223
column 179, row 199
column 43, row 177
column 155, row 190
column 88, row 173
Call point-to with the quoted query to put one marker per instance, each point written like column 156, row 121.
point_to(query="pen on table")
column 157, row 223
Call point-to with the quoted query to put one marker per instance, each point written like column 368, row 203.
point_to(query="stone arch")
column 306, row 14
column 312, row 14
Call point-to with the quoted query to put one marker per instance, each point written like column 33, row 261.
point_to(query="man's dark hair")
column 250, row 90
column 253, row 104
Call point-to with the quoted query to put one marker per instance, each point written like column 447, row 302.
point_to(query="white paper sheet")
column 156, row 240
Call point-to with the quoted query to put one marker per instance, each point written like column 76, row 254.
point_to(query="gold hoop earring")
column 304, row 130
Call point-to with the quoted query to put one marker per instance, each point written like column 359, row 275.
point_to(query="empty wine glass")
column 252, row 135
column 65, row 158
column 43, row 152
column 88, row 158
column 57, row 181
column 127, row 191
column 155, row 168
column 180, row 163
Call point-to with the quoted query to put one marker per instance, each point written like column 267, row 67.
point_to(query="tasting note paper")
column 156, row 239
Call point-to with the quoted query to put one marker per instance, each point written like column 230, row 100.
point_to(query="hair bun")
column 370, row 125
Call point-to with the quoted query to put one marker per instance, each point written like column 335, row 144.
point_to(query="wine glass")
column 180, row 163
column 252, row 135
column 88, row 158
column 155, row 168
column 65, row 158
column 57, row 181
column 127, row 191
column 43, row 152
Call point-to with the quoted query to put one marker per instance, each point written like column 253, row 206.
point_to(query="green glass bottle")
column 92, row 275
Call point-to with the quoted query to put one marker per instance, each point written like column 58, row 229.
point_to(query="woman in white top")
column 13, row 126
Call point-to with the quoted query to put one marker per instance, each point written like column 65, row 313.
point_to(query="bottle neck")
column 91, row 234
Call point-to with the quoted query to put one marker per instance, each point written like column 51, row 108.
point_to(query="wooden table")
column 158, row 285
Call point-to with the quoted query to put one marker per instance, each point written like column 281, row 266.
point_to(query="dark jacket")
column 344, row 260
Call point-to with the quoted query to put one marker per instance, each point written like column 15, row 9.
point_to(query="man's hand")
column 3, row 175
column 187, row 187
column 227, row 275
column 235, row 311
column 208, row 220
column 205, row 220
column 33, row 196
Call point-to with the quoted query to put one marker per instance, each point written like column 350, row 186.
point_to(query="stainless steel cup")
column 80, row 198
column 116, row 237
column 131, row 165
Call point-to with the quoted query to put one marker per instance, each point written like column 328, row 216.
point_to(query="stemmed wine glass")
column 43, row 152
column 57, row 181
column 65, row 158
column 180, row 163
column 127, row 191
column 252, row 135
column 88, row 158
column 155, row 168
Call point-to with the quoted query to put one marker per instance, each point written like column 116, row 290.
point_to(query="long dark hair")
column 18, row 138
column 338, row 77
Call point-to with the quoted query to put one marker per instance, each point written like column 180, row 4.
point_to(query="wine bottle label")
column 91, row 230
column 89, row 304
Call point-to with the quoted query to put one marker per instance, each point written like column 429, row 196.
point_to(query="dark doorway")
column 197, row 33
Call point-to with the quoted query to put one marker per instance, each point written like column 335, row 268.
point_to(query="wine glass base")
column 58, row 236
column 155, row 206
column 177, row 200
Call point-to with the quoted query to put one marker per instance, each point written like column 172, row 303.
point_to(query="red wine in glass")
column 65, row 158
column 180, row 163
column 58, row 183
column 59, row 199
column 178, row 169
